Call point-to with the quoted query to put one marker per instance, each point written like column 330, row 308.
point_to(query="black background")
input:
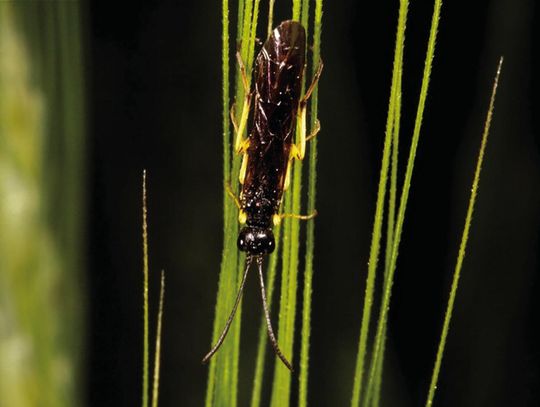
column 154, row 85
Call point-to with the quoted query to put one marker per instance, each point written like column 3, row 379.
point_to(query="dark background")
column 154, row 84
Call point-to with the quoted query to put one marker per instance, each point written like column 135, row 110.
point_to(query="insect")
column 269, row 151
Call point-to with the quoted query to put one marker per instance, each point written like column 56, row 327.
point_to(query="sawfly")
column 268, row 151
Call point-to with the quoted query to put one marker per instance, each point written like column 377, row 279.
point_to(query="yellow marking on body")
column 242, row 217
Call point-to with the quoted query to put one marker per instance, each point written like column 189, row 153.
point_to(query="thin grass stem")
column 270, row 18
column 373, row 392
column 157, row 355
column 296, row 5
column 463, row 244
column 310, row 233
column 145, row 378
column 379, row 210
column 383, row 313
column 279, row 385
column 282, row 376
column 263, row 336
column 222, row 387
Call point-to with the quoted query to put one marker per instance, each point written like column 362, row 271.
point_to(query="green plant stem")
column 239, row 19
column 281, row 383
column 251, row 14
column 226, row 279
column 157, row 355
column 373, row 392
column 145, row 379
column 304, row 18
column 287, row 314
column 222, row 387
column 296, row 5
column 379, row 211
column 226, row 130
column 310, row 234
column 263, row 336
column 407, row 182
column 270, row 17
column 463, row 244
column 251, row 47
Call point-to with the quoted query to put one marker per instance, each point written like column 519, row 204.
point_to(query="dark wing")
column 278, row 82
column 278, row 78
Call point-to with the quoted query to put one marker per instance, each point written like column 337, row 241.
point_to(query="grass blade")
column 42, row 156
column 281, row 381
column 145, row 379
column 287, row 315
column 463, row 244
column 157, row 355
column 381, row 323
column 225, row 282
column 270, row 18
column 379, row 210
column 263, row 336
column 374, row 392
column 310, row 233
column 223, row 370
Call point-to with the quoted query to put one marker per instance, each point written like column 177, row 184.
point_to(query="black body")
column 278, row 83
column 278, row 80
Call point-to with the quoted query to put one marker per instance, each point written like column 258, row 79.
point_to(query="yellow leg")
column 232, row 195
column 243, row 71
column 315, row 131
column 232, row 115
column 313, row 83
column 242, row 216
column 241, row 144
column 279, row 217
column 298, row 150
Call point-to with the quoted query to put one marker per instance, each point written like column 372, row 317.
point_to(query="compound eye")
column 245, row 239
column 267, row 243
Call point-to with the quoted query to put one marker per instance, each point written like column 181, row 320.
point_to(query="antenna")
column 269, row 329
column 231, row 317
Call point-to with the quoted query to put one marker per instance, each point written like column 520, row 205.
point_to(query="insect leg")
column 242, row 216
column 230, row 319
column 232, row 115
column 243, row 71
column 241, row 144
column 313, row 83
column 315, row 131
column 232, row 195
column 298, row 151
column 279, row 217
column 269, row 329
